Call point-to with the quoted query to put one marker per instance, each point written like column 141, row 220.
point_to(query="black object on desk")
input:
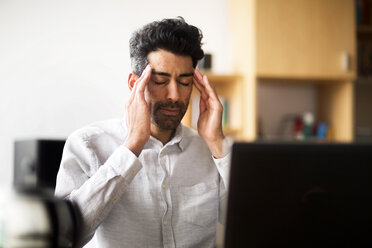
column 34, row 217
column 36, row 162
column 300, row 195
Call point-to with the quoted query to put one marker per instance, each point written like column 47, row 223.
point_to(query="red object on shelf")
column 298, row 127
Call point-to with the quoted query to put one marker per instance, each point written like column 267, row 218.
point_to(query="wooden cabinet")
column 305, row 38
column 298, row 41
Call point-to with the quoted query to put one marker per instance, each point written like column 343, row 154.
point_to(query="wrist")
column 135, row 145
column 216, row 147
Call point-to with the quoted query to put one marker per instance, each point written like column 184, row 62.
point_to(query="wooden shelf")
column 364, row 29
column 307, row 78
column 222, row 78
column 364, row 79
column 234, row 132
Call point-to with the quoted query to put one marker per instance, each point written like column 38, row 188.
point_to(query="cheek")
column 152, row 92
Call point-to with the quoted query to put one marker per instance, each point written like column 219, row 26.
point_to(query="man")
column 147, row 180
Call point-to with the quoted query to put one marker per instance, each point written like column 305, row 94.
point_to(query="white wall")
column 64, row 64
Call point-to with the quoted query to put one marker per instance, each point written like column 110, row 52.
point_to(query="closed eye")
column 160, row 82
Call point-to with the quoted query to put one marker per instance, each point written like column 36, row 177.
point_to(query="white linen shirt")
column 170, row 196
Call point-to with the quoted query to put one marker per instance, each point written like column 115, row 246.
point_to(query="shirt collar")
column 178, row 137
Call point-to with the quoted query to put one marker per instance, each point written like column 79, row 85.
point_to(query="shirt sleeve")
column 92, row 187
column 223, row 167
column 223, row 164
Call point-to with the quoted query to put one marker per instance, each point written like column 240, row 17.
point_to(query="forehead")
column 165, row 61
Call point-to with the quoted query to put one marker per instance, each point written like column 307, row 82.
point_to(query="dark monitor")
column 300, row 195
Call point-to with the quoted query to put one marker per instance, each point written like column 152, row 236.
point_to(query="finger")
column 203, row 96
column 209, row 88
column 143, row 72
column 133, row 92
column 136, row 83
column 198, row 75
column 197, row 81
column 202, row 105
column 144, row 79
column 203, row 80
column 197, row 84
column 201, row 89
column 205, row 87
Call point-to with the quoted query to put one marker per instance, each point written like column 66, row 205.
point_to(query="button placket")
column 167, row 231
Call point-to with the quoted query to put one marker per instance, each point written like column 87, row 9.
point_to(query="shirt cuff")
column 223, row 167
column 224, row 162
column 124, row 162
column 226, row 148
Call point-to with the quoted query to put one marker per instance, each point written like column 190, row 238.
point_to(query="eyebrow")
column 168, row 75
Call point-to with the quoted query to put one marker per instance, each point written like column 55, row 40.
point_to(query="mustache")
column 169, row 104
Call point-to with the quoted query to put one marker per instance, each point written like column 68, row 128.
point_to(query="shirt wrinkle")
column 133, row 202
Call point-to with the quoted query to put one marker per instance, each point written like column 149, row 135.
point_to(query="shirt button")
column 134, row 172
column 165, row 223
column 163, row 186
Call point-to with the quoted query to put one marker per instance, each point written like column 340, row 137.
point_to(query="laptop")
column 299, row 195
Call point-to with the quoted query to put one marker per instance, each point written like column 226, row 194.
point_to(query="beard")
column 164, row 121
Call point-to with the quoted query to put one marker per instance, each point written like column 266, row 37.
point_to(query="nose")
column 173, row 91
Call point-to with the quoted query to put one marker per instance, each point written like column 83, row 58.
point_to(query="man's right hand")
column 138, row 115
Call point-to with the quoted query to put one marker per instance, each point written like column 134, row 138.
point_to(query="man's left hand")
column 210, row 117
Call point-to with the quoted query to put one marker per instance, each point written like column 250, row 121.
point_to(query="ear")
column 132, row 78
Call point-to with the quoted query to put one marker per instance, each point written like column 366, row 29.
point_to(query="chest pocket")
column 198, row 204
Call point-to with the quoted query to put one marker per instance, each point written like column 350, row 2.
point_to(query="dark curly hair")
column 173, row 35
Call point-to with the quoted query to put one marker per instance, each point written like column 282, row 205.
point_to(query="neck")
column 161, row 134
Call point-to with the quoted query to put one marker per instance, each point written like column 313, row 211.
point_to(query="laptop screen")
column 300, row 195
